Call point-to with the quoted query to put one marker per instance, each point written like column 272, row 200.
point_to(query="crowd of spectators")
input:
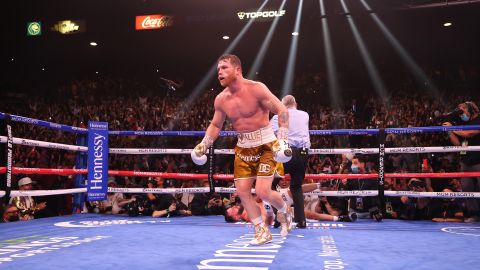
column 130, row 104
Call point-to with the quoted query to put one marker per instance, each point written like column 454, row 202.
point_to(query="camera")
column 452, row 117
column 152, row 181
column 138, row 207
column 375, row 214
column 415, row 183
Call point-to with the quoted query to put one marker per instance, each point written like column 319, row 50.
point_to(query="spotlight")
column 93, row 43
column 447, row 24
column 294, row 33
column 226, row 37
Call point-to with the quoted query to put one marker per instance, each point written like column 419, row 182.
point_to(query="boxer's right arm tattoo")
column 283, row 119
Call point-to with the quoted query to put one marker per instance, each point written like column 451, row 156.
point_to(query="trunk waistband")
column 256, row 138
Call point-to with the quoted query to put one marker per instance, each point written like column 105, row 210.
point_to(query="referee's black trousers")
column 296, row 168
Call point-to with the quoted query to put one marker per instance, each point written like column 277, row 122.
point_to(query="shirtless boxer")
column 247, row 105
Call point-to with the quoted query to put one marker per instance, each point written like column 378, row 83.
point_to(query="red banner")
column 155, row 21
column 29, row 171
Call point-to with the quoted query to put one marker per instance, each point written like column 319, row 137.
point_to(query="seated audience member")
column 10, row 214
column 27, row 206
column 416, row 208
column 364, row 207
column 393, row 204
column 447, row 210
column 165, row 205
column 116, row 202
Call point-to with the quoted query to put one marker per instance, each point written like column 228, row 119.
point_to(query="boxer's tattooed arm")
column 283, row 119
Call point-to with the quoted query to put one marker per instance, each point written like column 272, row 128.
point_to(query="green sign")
column 34, row 28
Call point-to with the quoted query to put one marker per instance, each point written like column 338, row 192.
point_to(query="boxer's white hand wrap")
column 282, row 133
column 198, row 153
column 282, row 151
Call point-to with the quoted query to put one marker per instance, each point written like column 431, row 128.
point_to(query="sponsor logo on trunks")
column 264, row 168
column 249, row 158
column 105, row 223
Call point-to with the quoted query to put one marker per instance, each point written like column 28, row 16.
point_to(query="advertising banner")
column 97, row 161
column 156, row 21
column 34, row 28
column 68, row 27
column 261, row 16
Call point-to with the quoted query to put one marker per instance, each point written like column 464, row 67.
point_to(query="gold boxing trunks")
column 254, row 156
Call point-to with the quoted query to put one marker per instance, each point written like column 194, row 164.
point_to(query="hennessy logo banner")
column 156, row 21
column 97, row 161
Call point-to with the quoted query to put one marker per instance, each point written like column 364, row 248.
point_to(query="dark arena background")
column 378, row 78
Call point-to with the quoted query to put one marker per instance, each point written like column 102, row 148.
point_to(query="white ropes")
column 340, row 193
column 330, row 151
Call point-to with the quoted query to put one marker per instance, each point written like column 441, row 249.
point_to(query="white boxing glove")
column 282, row 151
column 198, row 154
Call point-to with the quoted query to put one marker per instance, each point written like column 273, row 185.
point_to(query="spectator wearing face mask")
column 364, row 206
column 470, row 161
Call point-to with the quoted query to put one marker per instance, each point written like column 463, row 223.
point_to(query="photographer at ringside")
column 470, row 160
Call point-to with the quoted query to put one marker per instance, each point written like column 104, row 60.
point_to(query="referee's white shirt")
column 298, row 129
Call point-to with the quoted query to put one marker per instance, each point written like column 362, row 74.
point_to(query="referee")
column 299, row 140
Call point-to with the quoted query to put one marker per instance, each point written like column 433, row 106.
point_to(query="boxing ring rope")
column 343, row 193
column 374, row 131
column 183, row 176
column 323, row 151
column 136, row 151
column 199, row 176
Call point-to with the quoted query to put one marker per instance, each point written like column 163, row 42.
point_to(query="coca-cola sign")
column 155, row 21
